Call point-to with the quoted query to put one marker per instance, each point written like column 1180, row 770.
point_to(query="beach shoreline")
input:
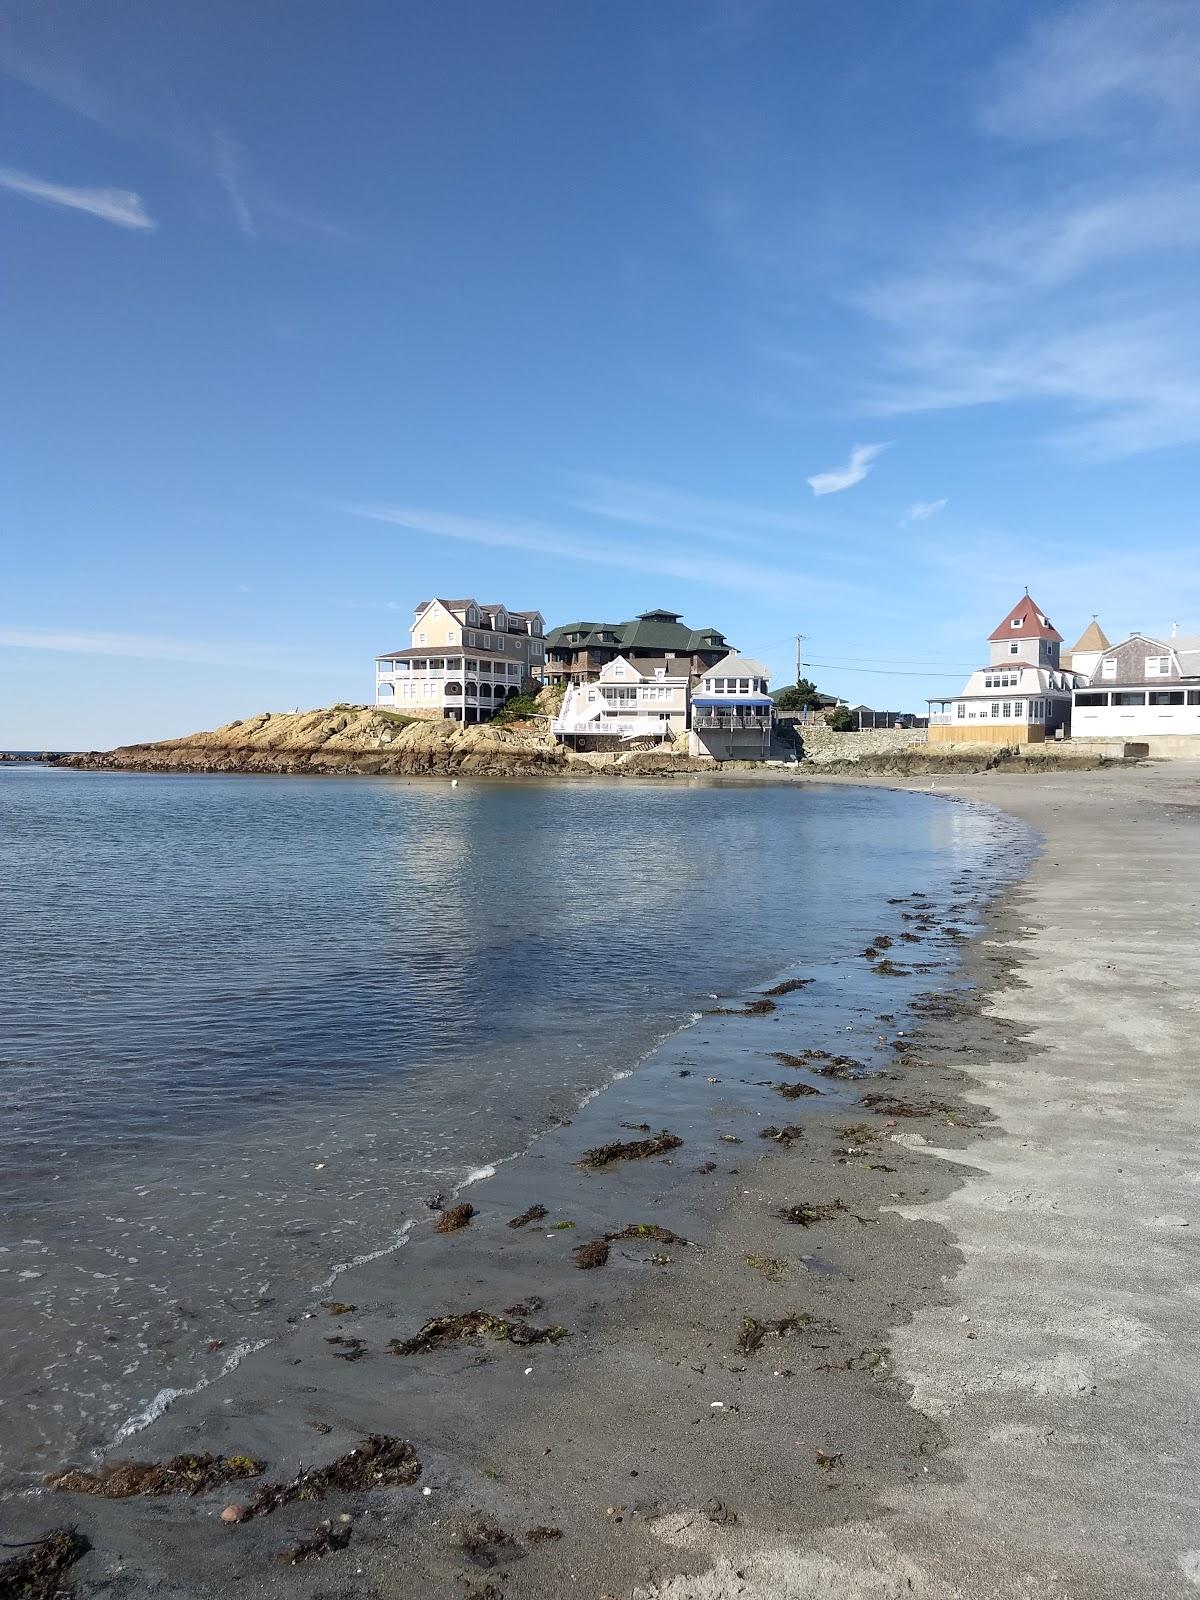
column 672, row 1459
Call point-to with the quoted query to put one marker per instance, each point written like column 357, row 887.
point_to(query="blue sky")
column 844, row 320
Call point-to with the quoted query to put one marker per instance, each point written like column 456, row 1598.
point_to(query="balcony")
column 723, row 722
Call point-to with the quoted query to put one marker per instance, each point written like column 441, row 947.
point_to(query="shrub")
column 841, row 720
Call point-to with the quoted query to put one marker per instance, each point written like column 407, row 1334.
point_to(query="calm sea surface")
column 248, row 1025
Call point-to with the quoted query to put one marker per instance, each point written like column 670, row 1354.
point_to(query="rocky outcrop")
column 361, row 739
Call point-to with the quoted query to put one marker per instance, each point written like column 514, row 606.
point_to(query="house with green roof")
column 577, row 651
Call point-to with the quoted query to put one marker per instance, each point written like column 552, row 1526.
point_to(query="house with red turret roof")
column 1023, row 695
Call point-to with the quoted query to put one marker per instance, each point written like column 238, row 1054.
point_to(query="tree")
column 798, row 697
column 841, row 720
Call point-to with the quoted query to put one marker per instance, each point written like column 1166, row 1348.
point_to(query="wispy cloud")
column 855, row 470
column 922, row 510
column 652, row 505
column 141, row 647
column 227, row 154
column 1081, row 67
column 1042, row 306
column 778, row 584
column 119, row 206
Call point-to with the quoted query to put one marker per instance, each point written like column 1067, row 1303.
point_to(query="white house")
column 464, row 661
column 732, row 713
column 1023, row 696
column 645, row 699
column 1145, row 689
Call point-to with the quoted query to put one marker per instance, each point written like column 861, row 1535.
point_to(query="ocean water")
column 249, row 1026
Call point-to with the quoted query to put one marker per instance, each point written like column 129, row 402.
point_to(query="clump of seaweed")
column 752, row 1333
column 784, row 1136
column 758, row 1007
column 329, row 1536
column 37, row 1573
column 337, row 1308
column 645, row 1230
column 533, row 1214
column 439, row 1332
column 807, row 1213
column 351, row 1349
column 482, row 1541
column 788, row 986
column 186, row 1474
column 888, row 969
column 786, row 1058
column 542, row 1535
column 794, row 1091
column 630, row 1150
column 592, row 1254
column 455, row 1218
column 377, row 1462
column 889, row 1106
column 526, row 1307
column 770, row 1266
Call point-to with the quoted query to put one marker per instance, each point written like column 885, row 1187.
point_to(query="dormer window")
column 1016, row 622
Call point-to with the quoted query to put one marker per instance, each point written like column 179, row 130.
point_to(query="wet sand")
column 983, row 1370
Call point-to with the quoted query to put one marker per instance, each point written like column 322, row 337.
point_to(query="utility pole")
column 800, row 639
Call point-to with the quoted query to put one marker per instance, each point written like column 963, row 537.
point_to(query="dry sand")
column 985, row 1386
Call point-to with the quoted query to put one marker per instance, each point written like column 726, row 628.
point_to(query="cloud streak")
column 756, row 578
column 227, row 154
column 855, row 470
column 122, row 207
column 922, row 510
column 140, row 647
column 652, row 505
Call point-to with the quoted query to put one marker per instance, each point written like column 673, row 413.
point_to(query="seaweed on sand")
column 771, row 1267
column 645, row 1230
column 758, row 1007
column 37, row 1573
column 753, row 1333
column 439, row 1332
column 630, row 1150
column 888, row 969
column 809, row 1212
column 533, row 1214
column 889, row 1106
column 457, row 1217
column 788, row 986
column 592, row 1254
column 794, row 1091
column 483, row 1541
column 378, row 1462
column 329, row 1536
column 784, row 1136
column 186, row 1474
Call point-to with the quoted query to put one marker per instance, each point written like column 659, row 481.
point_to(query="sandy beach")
column 937, row 1341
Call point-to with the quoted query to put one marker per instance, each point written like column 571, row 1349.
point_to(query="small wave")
column 165, row 1398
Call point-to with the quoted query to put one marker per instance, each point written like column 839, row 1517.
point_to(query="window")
column 1158, row 666
column 961, row 709
column 1014, row 648
column 421, row 639
column 1017, row 622
column 1129, row 697
column 995, row 708
column 1091, row 699
column 1006, row 713
column 1109, row 668
column 1166, row 697
column 1193, row 697
column 1019, row 710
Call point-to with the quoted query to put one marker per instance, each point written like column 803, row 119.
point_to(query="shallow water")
column 248, row 1025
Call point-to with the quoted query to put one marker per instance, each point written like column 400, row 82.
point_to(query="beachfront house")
column 464, row 660
column 1023, row 695
column 633, row 703
column 1084, row 654
column 733, row 715
column 576, row 652
column 1146, row 689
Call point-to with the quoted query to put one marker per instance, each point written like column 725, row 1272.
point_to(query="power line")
column 837, row 666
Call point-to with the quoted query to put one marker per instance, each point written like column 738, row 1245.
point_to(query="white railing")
column 708, row 722
column 938, row 720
